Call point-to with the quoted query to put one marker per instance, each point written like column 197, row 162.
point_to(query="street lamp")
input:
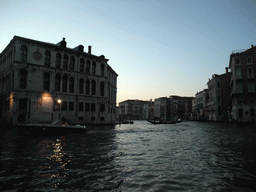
column 59, row 101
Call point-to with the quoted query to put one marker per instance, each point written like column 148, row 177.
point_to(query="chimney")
column 89, row 49
column 226, row 70
column 251, row 46
column 63, row 43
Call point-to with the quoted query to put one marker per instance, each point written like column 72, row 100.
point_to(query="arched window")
column 93, row 68
column 72, row 63
column 101, row 88
column 23, row 79
column 23, row 54
column 218, row 85
column 81, row 68
column 57, row 82
column 46, row 82
column 102, row 70
column 81, row 86
column 47, row 58
column 240, row 112
column 250, row 72
column 93, row 87
column 58, row 60
column 252, row 112
column 65, row 62
column 87, row 85
column 71, row 85
column 88, row 65
column 65, row 83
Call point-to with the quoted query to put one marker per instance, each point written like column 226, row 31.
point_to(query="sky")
column 158, row 48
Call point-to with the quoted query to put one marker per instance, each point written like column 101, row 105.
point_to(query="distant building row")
column 229, row 97
column 162, row 109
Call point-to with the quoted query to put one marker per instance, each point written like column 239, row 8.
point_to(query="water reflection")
column 189, row 156
column 54, row 158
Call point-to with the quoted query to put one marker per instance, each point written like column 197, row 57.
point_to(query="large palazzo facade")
column 43, row 82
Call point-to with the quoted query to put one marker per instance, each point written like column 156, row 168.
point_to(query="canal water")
column 189, row 156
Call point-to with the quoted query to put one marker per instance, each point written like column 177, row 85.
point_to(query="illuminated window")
column 23, row 54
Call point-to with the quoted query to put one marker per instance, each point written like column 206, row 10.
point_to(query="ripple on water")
column 188, row 156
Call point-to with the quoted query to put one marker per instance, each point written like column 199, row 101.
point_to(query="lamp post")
column 59, row 101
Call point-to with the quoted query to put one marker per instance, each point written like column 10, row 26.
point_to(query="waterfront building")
column 219, row 103
column 42, row 82
column 243, row 84
column 134, row 109
column 201, row 108
column 180, row 107
column 162, row 109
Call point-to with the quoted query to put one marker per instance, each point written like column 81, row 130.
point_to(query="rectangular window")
column 93, row 107
column 249, row 60
column 81, row 106
column 71, row 106
column 64, row 105
column 92, row 118
column 102, row 108
column 237, row 61
column 87, row 107
column 80, row 118
column 102, row 119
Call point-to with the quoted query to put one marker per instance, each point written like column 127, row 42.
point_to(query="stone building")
column 219, row 103
column 162, row 109
column 200, row 110
column 42, row 82
column 243, row 84
column 134, row 109
column 180, row 107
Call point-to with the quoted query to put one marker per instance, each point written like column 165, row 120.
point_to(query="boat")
column 125, row 122
column 57, row 127
column 131, row 122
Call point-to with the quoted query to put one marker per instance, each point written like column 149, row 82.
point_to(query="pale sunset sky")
column 158, row 48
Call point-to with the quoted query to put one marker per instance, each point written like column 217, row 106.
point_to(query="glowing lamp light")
column 59, row 101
